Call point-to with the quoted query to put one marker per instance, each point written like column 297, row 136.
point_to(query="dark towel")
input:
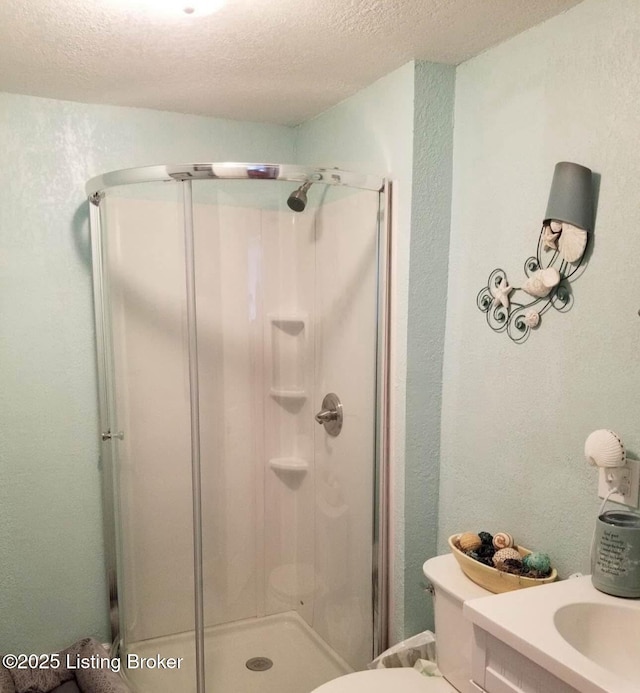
column 63, row 680
column 68, row 687
column 6, row 682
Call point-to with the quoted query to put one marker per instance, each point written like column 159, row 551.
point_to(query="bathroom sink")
column 607, row 634
column 588, row 640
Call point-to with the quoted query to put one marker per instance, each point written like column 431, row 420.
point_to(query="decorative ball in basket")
column 497, row 564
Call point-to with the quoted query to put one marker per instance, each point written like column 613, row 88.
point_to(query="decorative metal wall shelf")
column 520, row 316
column 562, row 246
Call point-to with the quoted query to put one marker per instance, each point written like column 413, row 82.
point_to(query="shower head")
column 298, row 199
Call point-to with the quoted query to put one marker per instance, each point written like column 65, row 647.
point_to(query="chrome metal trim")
column 232, row 171
column 381, row 512
column 194, row 384
column 104, row 364
column 107, row 435
column 95, row 189
column 331, row 416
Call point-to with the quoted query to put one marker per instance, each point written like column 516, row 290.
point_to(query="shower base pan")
column 301, row 660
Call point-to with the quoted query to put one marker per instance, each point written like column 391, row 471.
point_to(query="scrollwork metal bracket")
column 518, row 317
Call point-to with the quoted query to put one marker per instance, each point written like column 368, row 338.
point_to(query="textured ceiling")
column 280, row 61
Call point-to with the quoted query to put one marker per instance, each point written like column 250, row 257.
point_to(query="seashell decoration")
column 500, row 294
column 572, row 243
column 550, row 237
column 499, row 552
column 502, row 540
column 531, row 318
column 566, row 229
column 501, row 556
column 603, row 448
column 469, row 541
column 540, row 283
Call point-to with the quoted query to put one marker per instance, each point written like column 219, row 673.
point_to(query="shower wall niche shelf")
column 276, row 393
column 288, row 464
column 289, row 322
column 288, row 333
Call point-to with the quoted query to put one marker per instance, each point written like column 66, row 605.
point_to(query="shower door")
column 246, row 533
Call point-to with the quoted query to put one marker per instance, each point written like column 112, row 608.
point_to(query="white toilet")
column 453, row 640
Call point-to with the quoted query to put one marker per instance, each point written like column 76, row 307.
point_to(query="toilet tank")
column 454, row 634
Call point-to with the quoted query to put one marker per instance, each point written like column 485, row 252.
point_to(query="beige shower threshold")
column 301, row 659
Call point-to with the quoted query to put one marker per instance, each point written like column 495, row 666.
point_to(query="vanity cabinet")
column 498, row 668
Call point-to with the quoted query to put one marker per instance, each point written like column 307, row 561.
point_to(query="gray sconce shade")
column 571, row 196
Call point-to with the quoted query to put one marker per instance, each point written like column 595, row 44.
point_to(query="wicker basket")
column 494, row 580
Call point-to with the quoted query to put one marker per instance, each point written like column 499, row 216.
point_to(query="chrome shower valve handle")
column 326, row 415
column 330, row 416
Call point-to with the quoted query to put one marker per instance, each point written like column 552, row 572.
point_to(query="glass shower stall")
column 242, row 341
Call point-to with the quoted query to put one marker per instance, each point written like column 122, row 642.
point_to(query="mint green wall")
column 514, row 418
column 402, row 126
column 430, row 221
column 373, row 132
column 51, row 570
column 50, row 503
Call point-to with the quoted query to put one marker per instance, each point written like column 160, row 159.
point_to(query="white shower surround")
column 274, row 540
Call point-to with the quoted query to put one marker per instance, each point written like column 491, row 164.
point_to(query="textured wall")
column 402, row 126
column 431, row 212
column 372, row 132
column 515, row 418
column 50, row 524
column 278, row 62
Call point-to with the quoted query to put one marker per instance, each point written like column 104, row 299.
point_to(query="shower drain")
column 259, row 663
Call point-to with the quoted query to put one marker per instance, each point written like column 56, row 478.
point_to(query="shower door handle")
column 330, row 416
column 107, row 435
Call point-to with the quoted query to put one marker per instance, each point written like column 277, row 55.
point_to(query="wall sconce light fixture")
column 562, row 244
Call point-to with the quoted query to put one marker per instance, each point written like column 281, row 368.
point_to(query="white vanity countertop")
column 524, row 620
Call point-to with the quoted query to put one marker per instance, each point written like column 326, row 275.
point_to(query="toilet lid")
column 386, row 681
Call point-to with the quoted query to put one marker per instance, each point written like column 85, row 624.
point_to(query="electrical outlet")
column 626, row 478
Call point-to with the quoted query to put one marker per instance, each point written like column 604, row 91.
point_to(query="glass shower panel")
column 229, row 306
column 345, row 318
column 144, row 259
column 286, row 306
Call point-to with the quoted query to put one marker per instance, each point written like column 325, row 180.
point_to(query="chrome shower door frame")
column 185, row 173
